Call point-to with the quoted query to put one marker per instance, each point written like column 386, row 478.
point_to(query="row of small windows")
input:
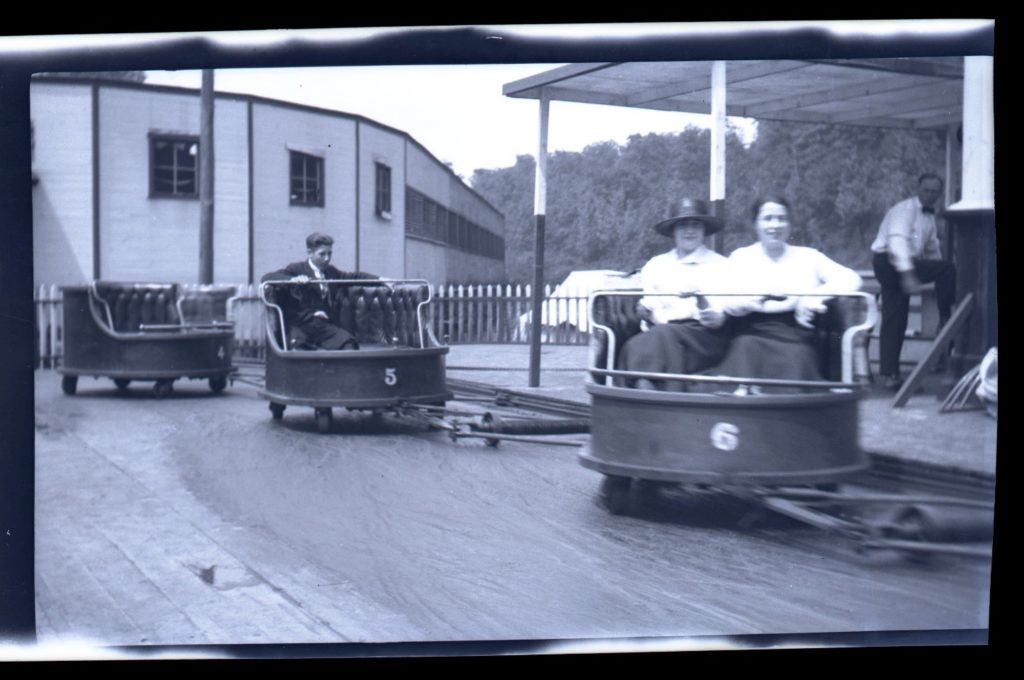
column 174, row 164
column 174, row 173
column 429, row 219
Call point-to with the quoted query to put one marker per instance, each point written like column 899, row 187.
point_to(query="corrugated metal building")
column 116, row 190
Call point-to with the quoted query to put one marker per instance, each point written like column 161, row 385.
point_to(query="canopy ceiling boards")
column 899, row 92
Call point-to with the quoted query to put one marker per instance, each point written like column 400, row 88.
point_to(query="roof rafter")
column 734, row 74
column 905, row 66
column 519, row 88
column 888, row 84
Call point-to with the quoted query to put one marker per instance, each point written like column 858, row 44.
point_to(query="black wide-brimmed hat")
column 688, row 209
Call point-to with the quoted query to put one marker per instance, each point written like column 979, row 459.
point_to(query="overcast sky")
column 458, row 112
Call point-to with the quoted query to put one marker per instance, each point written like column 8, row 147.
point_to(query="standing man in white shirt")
column 685, row 334
column 907, row 253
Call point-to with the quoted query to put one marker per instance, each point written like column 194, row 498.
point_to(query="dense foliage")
column 603, row 201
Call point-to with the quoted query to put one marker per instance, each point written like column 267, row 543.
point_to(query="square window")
column 306, row 179
column 174, row 166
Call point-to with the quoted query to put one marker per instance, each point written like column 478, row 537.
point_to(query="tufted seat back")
column 374, row 314
column 133, row 304
column 619, row 313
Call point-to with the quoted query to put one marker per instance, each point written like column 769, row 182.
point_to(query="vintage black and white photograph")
column 675, row 336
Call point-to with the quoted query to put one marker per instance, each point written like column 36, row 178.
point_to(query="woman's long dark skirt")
column 771, row 346
column 678, row 347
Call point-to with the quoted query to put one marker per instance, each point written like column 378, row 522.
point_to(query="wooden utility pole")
column 206, row 178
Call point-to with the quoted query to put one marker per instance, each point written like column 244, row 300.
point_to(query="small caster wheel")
column 644, row 493
column 218, row 383
column 122, row 384
column 163, row 388
column 276, row 410
column 69, row 384
column 323, row 420
column 615, row 494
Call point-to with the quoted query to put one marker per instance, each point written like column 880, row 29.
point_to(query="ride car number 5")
column 389, row 376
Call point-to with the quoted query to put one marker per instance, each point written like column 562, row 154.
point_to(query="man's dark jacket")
column 304, row 301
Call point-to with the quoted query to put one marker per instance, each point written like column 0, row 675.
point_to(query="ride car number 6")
column 389, row 376
column 725, row 436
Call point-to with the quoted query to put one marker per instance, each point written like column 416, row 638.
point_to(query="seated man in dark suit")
column 307, row 308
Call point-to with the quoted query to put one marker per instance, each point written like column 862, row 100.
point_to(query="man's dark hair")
column 929, row 175
column 316, row 239
column 770, row 198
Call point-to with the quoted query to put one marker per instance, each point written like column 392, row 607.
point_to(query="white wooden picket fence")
column 460, row 315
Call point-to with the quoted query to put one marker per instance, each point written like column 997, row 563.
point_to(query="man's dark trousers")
column 896, row 303
column 322, row 334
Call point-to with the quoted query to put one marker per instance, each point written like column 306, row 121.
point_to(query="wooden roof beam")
column 902, row 107
column 906, row 66
column 529, row 87
column 939, row 120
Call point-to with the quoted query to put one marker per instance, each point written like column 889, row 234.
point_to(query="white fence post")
column 460, row 324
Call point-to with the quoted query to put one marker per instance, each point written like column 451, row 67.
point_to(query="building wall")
column 425, row 175
column 472, row 207
column 425, row 260
column 432, row 179
column 465, row 267
column 381, row 240
column 280, row 228
column 157, row 239
column 231, row 191
column 62, row 199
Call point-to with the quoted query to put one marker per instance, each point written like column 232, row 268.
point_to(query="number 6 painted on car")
column 389, row 376
column 725, row 436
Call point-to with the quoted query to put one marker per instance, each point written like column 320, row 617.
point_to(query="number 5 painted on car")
column 389, row 376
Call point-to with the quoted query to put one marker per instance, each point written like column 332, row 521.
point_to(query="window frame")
column 154, row 138
column 321, row 187
column 382, row 203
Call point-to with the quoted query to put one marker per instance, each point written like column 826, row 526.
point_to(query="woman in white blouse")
column 685, row 333
column 773, row 336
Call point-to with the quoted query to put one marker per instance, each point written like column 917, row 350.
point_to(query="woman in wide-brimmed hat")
column 685, row 334
column 771, row 337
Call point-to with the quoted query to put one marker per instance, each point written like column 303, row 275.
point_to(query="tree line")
column 604, row 200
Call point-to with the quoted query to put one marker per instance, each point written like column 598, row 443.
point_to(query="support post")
column 206, row 178
column 718, row 128
column 973, row 218
column 540, row 189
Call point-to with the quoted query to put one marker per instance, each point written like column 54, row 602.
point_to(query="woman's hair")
column 770, row 198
